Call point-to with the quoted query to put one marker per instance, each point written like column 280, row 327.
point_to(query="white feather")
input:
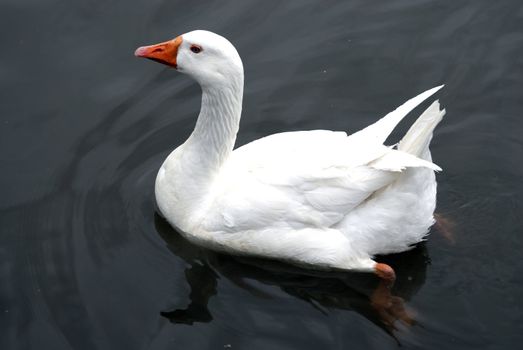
column 316, row 198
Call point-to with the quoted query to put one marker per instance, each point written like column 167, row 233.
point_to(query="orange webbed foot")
column 390, row 308
column 385, row 272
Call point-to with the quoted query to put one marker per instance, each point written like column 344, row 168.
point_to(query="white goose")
column 318, row 199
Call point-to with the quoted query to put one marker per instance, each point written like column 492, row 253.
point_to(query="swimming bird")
column 318, row 199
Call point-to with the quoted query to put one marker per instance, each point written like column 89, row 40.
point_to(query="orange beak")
column 165, row 52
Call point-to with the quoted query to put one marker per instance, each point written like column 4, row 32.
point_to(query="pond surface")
column 85, row 261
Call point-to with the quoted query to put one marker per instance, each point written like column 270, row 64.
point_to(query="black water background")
column 84, row 262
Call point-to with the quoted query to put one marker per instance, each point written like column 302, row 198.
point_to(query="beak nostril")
column 158, row 49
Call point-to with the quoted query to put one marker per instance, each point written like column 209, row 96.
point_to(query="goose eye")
column 196, row 48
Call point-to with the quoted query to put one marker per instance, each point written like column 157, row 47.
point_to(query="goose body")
column 320, row 199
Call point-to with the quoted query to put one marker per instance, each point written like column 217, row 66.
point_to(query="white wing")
column 308, row 178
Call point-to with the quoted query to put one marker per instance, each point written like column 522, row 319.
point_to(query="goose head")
column 205, row 56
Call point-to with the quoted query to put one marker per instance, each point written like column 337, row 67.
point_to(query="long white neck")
column 214, row 136
column 184, row 182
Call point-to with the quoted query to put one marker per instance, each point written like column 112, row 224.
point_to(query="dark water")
column 87, row 264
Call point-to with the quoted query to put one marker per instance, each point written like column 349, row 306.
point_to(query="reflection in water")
column 381, row 304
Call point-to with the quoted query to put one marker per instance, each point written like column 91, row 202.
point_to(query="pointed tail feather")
column 380, row 130
column 416, row 141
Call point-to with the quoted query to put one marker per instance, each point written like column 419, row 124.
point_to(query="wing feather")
column 267, row 182
column 309, row 178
